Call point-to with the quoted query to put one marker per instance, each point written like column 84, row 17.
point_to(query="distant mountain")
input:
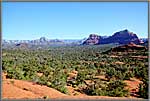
column 145, row 42
column 92, row 40
column 122, row 37
column 68, row 41
column 144, row 39
column 104, row 37
column 22, row 45
column 42, row 42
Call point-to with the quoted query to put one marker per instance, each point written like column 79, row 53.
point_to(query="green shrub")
column 143, row 88
column 116, row 88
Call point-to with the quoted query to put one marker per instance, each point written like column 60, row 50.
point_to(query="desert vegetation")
column 86, row 68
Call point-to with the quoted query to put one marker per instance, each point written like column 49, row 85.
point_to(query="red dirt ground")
column 19, row 89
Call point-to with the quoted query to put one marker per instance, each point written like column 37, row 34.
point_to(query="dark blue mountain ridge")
column 121, row 37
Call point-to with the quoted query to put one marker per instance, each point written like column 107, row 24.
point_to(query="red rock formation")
column 92, row 40
column 129, row 47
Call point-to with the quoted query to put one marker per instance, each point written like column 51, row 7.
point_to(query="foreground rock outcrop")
column 129, row 48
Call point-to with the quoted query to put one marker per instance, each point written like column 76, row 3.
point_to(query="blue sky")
column 72, row 20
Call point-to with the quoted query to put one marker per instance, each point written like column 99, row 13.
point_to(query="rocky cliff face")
column 122, row 37
column 92, row 40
